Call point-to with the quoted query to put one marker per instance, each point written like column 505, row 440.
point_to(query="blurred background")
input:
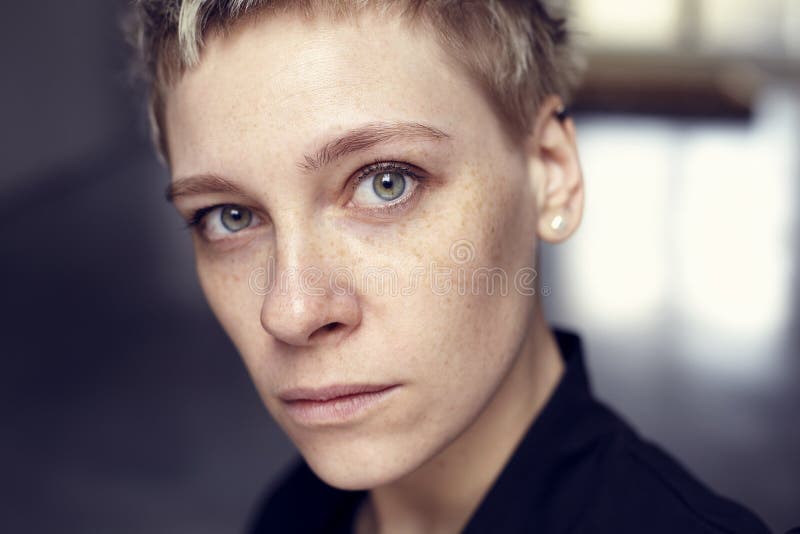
column 126, row 410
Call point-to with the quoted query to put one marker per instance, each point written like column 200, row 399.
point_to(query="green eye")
column 235, row 218
column 389, row 185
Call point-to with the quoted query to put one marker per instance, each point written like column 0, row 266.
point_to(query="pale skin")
column 474, row 369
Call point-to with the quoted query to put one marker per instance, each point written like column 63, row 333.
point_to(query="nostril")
column 328, row 328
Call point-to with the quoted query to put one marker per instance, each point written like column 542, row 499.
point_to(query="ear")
column 555, row 171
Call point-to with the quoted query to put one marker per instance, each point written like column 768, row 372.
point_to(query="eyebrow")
column 201, row 183
column 355, row 140
column 365, row 137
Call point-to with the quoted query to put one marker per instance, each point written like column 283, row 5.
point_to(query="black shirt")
column 579, row 468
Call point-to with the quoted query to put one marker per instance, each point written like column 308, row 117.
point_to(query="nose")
column 302, row 307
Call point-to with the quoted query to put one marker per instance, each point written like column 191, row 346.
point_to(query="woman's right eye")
column 221, row 222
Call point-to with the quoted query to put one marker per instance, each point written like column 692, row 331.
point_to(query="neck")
column 443, row 493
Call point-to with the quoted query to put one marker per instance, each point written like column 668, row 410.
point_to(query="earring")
column 558, row 223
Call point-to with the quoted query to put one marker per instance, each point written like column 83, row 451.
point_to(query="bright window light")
column 629, row 23
column 742, row 25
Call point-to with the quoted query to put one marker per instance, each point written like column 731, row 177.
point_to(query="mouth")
column 334, row 404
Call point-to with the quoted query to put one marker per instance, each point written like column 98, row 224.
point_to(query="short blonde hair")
column 519, row 51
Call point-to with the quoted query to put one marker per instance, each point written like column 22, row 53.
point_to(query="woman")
column 367, row 183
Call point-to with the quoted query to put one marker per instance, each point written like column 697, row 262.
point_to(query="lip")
column 334, row 404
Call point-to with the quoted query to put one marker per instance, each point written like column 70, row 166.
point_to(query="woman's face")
column 327, row 270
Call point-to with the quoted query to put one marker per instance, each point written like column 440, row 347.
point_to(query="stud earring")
column 558, row 223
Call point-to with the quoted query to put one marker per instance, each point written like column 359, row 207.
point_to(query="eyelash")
column 382, row 165
column 196, row 219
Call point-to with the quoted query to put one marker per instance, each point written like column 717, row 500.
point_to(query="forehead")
column 277, row 84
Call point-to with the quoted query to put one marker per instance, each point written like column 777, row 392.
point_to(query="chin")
column 353, row 474
column 360, row 467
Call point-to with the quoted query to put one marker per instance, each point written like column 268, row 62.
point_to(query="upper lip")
column 330, row 392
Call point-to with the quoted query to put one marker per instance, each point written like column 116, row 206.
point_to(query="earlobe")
column 556, row 173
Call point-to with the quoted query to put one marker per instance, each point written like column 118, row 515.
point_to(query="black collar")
column 535, row 488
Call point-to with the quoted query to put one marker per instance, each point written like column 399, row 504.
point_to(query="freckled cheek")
column 470, row 332
column 450, row 359
column 447, row 330
column 505, row 233
column 231, row 288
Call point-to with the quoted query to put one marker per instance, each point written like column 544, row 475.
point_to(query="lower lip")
column 336, row 411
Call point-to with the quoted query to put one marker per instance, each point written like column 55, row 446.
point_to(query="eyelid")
column 381, row 165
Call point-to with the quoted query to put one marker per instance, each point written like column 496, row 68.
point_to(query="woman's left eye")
column 384, row 185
